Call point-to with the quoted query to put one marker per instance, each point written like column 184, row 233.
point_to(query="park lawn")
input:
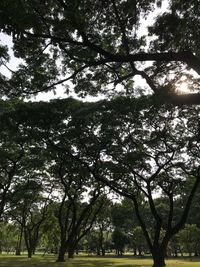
column 91, row 261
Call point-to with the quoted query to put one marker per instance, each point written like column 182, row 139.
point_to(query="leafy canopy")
column 101, row 44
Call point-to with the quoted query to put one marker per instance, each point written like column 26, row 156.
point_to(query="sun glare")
column 183, row 88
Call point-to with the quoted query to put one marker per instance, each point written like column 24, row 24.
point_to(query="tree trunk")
column 71, row 253
column 98, row 251
column 103, row 251
column 196, row 252
column 159, row 258
column 101, row 239
column 19, row 243
column 175, row 253
column 139, row 252
column 29, row 253
column 61, row 254
column 181, row 252
column 18, row 251
column 28, row 243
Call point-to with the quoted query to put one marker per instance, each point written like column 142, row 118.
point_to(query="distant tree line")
column 114, row 231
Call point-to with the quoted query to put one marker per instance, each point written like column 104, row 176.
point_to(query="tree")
column 189, row 239
column 8, row 172
column 11, row 157
column 8, row 237
column 22, row 166
column 50, row 231
column 139, row 241
column 194, row 216
column 134, row 147
column 99, row 43
column 123, row 215
column 123, row 221
column 137, row 156
column 29, row 210
column 102, row 227
column 120, row 240
column 175, row 247
column 76, row 216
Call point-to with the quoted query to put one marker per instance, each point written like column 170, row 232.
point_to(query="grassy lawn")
column 83, row 261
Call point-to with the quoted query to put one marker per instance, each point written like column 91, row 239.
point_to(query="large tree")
column 78, row 190
column 12, row 154
column 141, row 154
column 97, row 44
column 139, row 150
column 76, row 215
column 29, row 210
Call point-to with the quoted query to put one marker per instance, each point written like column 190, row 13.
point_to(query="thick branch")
column 185, row 213
column 184, row 99
column 186, row 56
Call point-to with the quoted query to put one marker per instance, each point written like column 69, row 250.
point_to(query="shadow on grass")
column 91, row 261
column 188, row 259
column 49, row 261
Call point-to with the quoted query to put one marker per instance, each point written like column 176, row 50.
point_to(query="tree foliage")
column 138, row 143
column 99, row 43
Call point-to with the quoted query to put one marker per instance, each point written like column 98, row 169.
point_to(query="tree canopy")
column 141, row 141
column 145, row 152
column 99, row 45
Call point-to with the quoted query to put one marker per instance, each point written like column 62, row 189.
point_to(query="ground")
column 92, row 261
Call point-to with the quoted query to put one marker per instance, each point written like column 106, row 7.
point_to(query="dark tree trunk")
column 28, row 242
column 34, row 252
column 98, row 251
column 19, row 242
column 18, row 251
column 159, row 257
column 29, row 253
column 61, row 254
column 181, row 252
column 117, row 252
column 71, row 253
column 196, row 252
column 139, row 252
column 103, row 251
column 159, row 261
column 101, row 241
column 71, row 249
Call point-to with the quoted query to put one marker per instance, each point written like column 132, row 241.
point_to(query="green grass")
column 92, row 261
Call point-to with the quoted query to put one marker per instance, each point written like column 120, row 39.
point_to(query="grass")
column 91, row 261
